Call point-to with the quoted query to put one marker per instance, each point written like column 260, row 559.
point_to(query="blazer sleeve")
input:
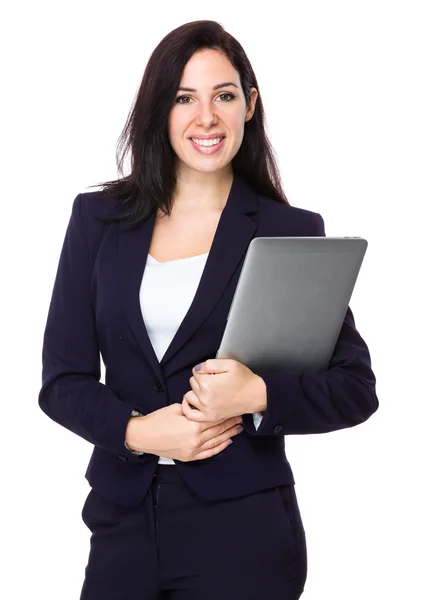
column 71, row 392
column 342, row 396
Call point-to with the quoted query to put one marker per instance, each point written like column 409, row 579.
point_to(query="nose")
column 206, row 115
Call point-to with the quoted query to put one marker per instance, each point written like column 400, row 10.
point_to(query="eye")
column 231, row 97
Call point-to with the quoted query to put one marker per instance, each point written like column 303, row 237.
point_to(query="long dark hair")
column 153, row 161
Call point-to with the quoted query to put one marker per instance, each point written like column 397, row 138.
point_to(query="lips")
column 207, row 149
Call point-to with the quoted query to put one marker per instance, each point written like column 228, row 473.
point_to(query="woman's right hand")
column 167, row 432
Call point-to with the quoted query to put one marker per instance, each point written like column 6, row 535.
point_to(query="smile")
column 210, row 149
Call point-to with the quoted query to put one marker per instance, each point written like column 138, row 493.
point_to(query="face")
column 202, row 110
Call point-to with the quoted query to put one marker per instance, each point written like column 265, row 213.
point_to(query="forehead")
column 208, row 67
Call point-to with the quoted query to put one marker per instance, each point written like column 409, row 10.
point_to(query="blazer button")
column 124, row 458
column 157, row 385
column 278, row 429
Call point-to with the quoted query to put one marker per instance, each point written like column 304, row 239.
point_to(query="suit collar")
column 234, row 232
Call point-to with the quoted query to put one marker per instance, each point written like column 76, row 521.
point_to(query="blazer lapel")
column 234, row 232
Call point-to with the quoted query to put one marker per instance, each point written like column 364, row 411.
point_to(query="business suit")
column 95, row 307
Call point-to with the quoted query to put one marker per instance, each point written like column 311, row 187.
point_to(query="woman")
column 183, row 505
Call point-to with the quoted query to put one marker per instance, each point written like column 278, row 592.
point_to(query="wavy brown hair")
column 152, row 180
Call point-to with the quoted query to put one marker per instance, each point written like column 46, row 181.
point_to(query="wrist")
column 134, row 433
column 259, row 396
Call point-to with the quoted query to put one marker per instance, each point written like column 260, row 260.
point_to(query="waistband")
column 167, row 474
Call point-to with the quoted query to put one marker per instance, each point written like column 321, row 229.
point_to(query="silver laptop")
column 290, row 302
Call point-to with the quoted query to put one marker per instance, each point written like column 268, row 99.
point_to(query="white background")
column 348, row 93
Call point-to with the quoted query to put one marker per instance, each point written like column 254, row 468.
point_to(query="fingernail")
column 240, row 428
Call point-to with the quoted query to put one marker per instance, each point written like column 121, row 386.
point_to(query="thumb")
column 212, row 365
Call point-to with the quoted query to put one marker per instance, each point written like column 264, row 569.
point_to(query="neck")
column 198, row 191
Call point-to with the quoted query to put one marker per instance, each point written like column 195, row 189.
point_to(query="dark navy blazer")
column 95, row 309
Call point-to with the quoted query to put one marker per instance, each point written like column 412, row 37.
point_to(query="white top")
column 173, row 284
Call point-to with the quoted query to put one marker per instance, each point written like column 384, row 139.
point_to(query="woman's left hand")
column 223, row 388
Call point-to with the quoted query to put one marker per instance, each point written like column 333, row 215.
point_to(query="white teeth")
column 207, row 142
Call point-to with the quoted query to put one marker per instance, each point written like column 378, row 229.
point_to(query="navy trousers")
column 177, row 546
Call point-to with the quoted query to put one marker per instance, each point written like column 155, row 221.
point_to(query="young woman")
column 185, row 505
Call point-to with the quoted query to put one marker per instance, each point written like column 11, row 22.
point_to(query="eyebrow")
column 216, row 87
